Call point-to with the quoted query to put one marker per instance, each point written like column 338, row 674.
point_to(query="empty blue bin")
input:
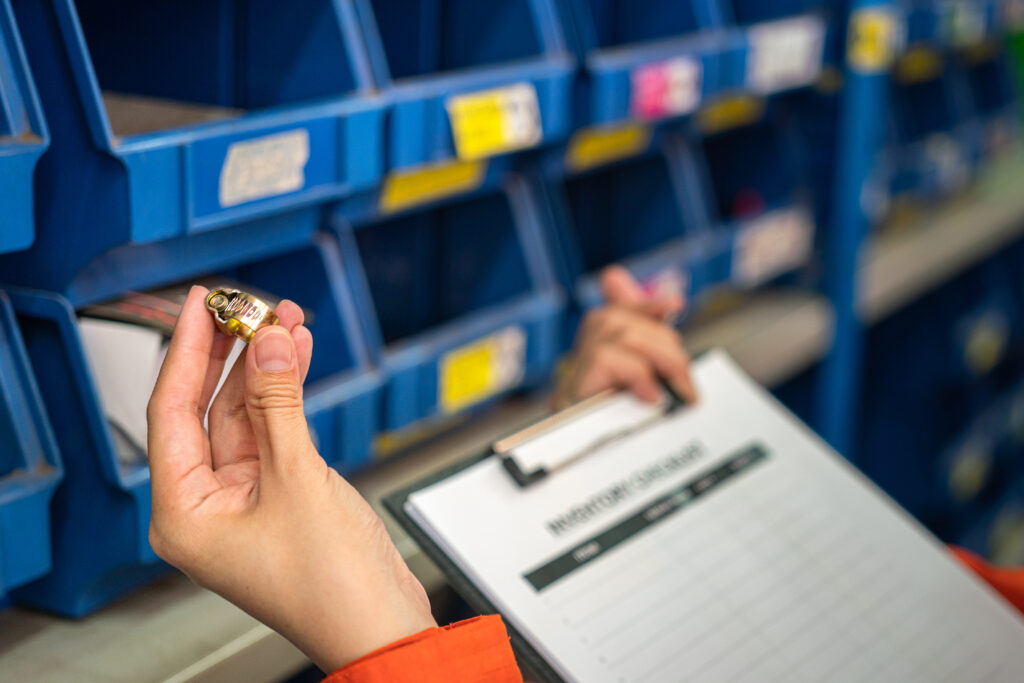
column 101, row 513
column 647, row 59
column 759, row 193
column 932, row 139
column 30, row 467
column 23, row 137
column 648, row 214
column 499, row 71
column 994, row 104
column 958, row 23
column 182, row 118
column 459, row 302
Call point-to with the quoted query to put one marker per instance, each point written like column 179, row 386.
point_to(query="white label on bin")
column 496, row 121
column 668, row 88
column 785, row 54
column 772, row 244
column 481, row 369
column 264, row 167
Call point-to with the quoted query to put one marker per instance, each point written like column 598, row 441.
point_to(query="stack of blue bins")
column 681, row 204
column 30, row 467
column 953, row 99
column 459, row 301
column 455, row 289
column 189, row 138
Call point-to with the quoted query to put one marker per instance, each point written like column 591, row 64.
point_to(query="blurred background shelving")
column 834, row 184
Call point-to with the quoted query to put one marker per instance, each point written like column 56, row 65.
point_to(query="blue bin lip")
column 705, row 42
column 427, row 346
column 330, row 392
column 478, row 78
column 266, row 119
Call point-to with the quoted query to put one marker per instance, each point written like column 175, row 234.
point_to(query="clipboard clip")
column 581, row 429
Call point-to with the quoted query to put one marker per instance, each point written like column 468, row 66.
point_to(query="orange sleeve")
column 1008, row 582
column 476, row 650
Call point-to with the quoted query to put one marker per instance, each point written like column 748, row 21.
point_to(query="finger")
column 609, row 324
column 615, row 367
column 289, row 314
column 667, row 355
column 176, row 436
column 273, row 399
column 621, row 289
column 304, row 347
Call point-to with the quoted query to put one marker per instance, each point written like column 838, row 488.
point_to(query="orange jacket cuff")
column 1009, row 582
column 470, row 651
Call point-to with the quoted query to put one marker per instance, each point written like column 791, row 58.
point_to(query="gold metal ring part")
column 239, row 314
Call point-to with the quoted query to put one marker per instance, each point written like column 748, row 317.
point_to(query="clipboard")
column 525, row 476
column 786, row 528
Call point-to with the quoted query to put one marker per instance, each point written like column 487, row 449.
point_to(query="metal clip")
column 239, row 314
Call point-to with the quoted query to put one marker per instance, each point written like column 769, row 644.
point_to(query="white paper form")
column 727, row 543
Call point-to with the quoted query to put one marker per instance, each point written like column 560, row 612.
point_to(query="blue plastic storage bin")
column 759, row 192
column 101, row 513
column 932, row 140
column 994, row 105
column 951, row 23
column 500, row 69
column 459, row 302
column 648, row 214
column 30, row 467
column 182, row 118
column 646, row 59
column 23, row 137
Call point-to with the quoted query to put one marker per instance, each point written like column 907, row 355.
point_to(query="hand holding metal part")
column 239, row 314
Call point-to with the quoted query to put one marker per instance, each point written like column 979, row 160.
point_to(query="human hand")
column 626, row 344
column 251, row 511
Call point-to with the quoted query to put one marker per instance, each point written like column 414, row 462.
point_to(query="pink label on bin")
column 668, row 88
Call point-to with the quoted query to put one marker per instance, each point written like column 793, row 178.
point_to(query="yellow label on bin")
column 592, row 147
column 481, row 369
column 730, row 111
column 495, row 121
column 872, row 40
column 919, row 64
column 404, row 189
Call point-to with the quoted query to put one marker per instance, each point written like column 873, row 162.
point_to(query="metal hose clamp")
column 239, row 314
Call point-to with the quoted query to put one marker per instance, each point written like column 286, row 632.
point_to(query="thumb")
column 273, row 398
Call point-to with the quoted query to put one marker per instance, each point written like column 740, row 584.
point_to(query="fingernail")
column 274, row 350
